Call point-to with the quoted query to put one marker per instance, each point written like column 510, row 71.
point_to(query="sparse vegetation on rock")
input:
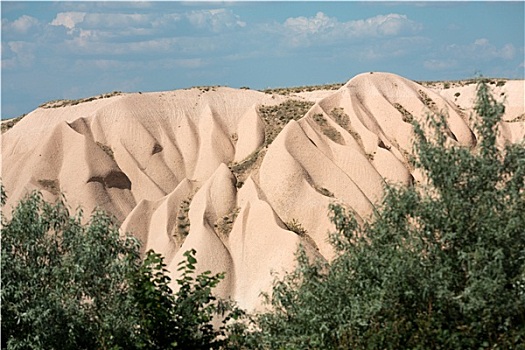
column 441, row 265
column 298, row 89
column 276, row 117
column 428, row 101
column 183, row 220
column 8, row 124
column 407, row 116
column 244, row 168
column 50, row 186
column 106, row 150
column 295, row 226
column 64, row 103
column 340, row 117
column 224, row 224
column 328, row 130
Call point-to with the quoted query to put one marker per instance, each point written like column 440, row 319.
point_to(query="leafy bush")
column 66, row 285
column 180, row 320
column 441, row 265
column 63, row 283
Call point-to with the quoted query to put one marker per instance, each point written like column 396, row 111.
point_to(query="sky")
column 70, row 50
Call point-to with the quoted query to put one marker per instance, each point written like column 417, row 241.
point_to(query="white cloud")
column 166, row 20
column 21, row 25
column 215, row 20
column 507, row 52
column 482, row 49
column 24, row 23
column 130, row 24
column 436, row 64
column 481, row 42
column 115, row 20
column 312, row 25
column 322, row 29
column 22, row 54
column 84, row 44
column 382, row 25
column 68, row 19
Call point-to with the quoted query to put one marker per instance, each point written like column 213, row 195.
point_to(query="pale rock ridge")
column 155, row 139
column 250, row 134
column 162, row 217
column 216, row 198
column 143, row 156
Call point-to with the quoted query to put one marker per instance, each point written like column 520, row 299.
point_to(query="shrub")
column 295, row 226
column 66, row 285
column 441, row 266
column 63, row 283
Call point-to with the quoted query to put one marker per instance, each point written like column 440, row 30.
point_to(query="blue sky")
column 57, row 50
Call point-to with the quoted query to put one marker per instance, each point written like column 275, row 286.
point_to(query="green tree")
column 440, row 266
column 180, row 320
column 66, row 285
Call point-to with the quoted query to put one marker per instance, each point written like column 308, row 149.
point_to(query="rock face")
column 193, row 169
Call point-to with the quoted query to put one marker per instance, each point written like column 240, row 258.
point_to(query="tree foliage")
column 440, row 266
column 66, row 285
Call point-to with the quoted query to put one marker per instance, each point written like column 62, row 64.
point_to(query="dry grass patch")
column 298, row 89
column 106, row 150
column 51, row 186
column 325, row 192
column 244, row 168
column 224, row 224
column 183, row 220
column 427, row 101
column 64, row 103
column 276, row 117
column 519, row 118
column 8, row 124
column 328, row 130
column 407, row 116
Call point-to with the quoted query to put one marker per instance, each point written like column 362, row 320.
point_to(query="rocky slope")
column 242, row 176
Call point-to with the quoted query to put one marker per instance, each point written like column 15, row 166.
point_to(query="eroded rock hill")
column 242, row 176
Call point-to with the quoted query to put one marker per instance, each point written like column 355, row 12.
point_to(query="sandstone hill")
column 242, row 176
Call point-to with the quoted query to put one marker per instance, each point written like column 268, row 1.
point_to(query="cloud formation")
column 68, row 19
column 216, row 19
column 307, row 31
column 46, row 48
column 24, row 23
